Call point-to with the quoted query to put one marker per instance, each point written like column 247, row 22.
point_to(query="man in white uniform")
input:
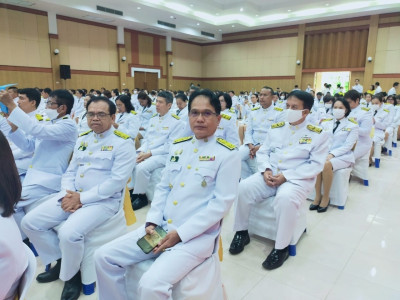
column 393, row 90
column 196, row 191
column 289, row 161
column 357, row 86
column 91, row 191
column 162, row 130
column 52, row 143
column 259, row 122
column 378, row 88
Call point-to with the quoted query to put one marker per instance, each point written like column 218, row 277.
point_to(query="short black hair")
column 328, row 98
column 47, row 90
column 111, row 106
column 377, row 83
column 81, row 92
column 144, row 96
column 319, row 94
column 377, row 96
column 353, row 95
column 115, row 91
column 126, row 100
column 182, row 96
column 345, row 103
column 269, row 88
column 227, row 98
column 31, row 94
column 395, row 84
column 305, row 97
column 167, row 96
column 63, row 97
column 211, row 97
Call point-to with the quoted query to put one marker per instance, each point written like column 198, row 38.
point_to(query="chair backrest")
column 29, row 274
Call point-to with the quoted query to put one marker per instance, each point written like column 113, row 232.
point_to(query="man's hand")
column 330, row 156
column 253, row 151
column 13, row 126
column 71, row 202
column 6, row 99
column 268, row 178
column 171, row 239
column 277, row 180
column 142, row 156
column 150, row 229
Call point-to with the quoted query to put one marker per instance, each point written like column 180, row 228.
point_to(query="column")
column 371, row 50
column 170, row 79
column 122, row 64
column 300, row 55
column 54, row 47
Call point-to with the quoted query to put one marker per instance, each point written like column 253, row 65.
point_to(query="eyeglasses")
column 206, row 114
column 49, row 103
column 100, row 115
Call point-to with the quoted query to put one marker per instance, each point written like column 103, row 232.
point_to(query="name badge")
column 165, row 128
column 107, row 148
column 83, row 146
column 174, row 158
column 346, row 129
column 305, row 140
column 206, row 158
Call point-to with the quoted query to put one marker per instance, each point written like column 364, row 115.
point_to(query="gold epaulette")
column 386, row 110
column 184, row 139
column 314, row 128
column 255, row 108
column 232, row 110
column 278, row 108
column 365, row 108
column 39, row 117
column 65, row 117
column 326, row 120
column 155, row 115
column 225, row 116
column 353, row 121
column 226, row 144
column 175, row 116
column 121, row 134
column 48, row 119
column 133, row 112
column 278, row 125
column 85, row 133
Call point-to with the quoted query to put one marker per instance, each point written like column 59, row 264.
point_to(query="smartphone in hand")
column 148, row 242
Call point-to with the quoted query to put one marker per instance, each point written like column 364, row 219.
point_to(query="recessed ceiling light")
column 241, row 9
column 191, row 5
column 326, row 4
column 256, row 15
column 172, row 17
column 217, row 14
column 219, row 29
column 233, row 25
column 289, row 10
column 139, row 7
column 198, row 24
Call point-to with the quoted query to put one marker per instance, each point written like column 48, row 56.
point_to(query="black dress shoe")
column 239, row 241
column 72, row 288
column 276, row 258
column 131, row 194
column 51, row 275
column 322, row 209
column 313, row 206
column 139, row 201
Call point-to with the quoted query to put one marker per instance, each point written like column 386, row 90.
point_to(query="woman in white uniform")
column 127, row 119
column 13, row 256
column 83, row 125
column 147, row 112
column 381, row 121
column 345, row 135
column 227, row 128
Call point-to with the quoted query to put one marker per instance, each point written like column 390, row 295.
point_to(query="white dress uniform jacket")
column 100, row 167
column 299, row 153
column 13, row 258
column 382, row 121
column 228, row 129
column 146, row 113
column 83, row 125
column 198, row 187
column 129, row 123
column 363, row 116
column 358, row 87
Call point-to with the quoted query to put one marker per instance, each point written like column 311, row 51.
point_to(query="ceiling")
column 216, row 17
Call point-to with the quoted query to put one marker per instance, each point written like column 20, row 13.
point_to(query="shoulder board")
column 326, row 120
column 121, row 134
column 47, row 119
column 152, row 103
column 175, row 116
column 365, row 108
column 184, row 139
column 278, row 125
column 155, row 115
column 314, row 128
column 278, row 108
column 39, row 117
column 65, row 118
column 386, row 110
column 232, row 110
column 225, row 116
column 85, row 133
column 397, row 104
column 352, row 120
column 255, row 108
column 133, row 112
column 226, row 144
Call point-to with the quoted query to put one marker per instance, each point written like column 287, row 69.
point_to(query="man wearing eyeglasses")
column 52, row 143
column 91, row 193
column 197, row 189
column 164, row 127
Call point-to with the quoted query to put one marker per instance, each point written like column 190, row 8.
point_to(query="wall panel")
column 27, row 79
column 248, row 84
column 387, row 57
column 89, row 81
column 187, row 59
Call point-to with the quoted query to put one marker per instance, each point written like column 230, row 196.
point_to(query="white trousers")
column 112, row 260
column 68, row 244
column 144, row 170
column 286, row 205
column 249, row 166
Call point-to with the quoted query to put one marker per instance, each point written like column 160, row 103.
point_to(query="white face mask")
column 294, row 115
column 282, row 97
column 51, row 113
column 338, row 113
column 134, row 92
column 375, row 106
column 328, row 105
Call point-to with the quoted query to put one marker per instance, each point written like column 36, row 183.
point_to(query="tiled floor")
column 345, row 254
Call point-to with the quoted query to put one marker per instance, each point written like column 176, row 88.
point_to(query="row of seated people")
column 163, row 126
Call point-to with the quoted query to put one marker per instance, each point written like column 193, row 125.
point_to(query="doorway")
column 332, row 78
column 146, row 81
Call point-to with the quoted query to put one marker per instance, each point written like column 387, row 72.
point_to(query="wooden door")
column 140, row 80
column 151, row 81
